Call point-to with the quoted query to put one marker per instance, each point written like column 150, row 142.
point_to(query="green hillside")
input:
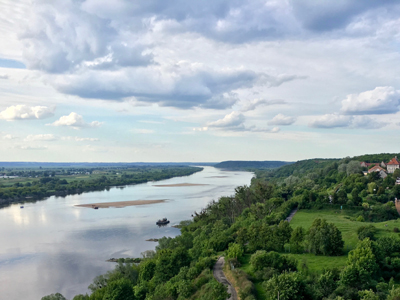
column 241, row 165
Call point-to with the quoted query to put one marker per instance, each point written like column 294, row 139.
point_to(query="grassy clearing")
column 345, row 222
column 317, row 263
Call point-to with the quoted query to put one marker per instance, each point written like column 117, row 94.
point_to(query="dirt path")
column 220, row 277
column 289, row 218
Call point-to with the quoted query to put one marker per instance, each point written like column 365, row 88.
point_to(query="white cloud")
column 24, row 112
column 235, row 122
column 9, row 137
column 345, row 121
column 79, row 139
column 4, row 76
column 252, row 105
column 205, row 128
column 180, row 84
column 30, row 147
column 331, row 121
column 281, row 119
column 366, row 122
column 234, row 119
column 381, row 100
column 75, row 121
column 40, row 137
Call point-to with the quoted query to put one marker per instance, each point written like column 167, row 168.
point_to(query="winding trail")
column 220, row 277
column 293, row 212
column 219, row 273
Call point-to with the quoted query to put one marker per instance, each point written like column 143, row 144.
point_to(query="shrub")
column 366, row 232
column 360, row 219
column 262, row 259
column 234, row 251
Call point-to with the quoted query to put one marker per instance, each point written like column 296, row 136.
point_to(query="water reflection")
column 52, row 246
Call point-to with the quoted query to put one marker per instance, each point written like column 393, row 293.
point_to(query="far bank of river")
column 54, row 246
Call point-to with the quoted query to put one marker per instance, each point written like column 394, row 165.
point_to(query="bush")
column 360, row 219
column 262, row 259
column 234, row 251
column 366, row 232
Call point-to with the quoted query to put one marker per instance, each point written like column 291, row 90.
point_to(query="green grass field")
column 345, row 222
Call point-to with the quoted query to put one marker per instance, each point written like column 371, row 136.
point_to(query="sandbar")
column 178, row 184
column 120, row 204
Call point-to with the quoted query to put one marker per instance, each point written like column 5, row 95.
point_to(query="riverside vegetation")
column 343, row 243
column 37, row 184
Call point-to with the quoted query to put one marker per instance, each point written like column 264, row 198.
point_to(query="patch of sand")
column 178, row 184
column 120, row 204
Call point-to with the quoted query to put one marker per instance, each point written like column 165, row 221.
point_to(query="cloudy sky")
column 123, row 80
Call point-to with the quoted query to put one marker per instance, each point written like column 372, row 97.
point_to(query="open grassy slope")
column 346, row 223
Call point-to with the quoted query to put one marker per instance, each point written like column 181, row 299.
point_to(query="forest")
column 250, row 165
column 343, row 242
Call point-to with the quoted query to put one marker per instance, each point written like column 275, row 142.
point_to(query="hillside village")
column 383, row 168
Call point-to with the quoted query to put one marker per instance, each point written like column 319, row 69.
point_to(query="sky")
column 198, row 81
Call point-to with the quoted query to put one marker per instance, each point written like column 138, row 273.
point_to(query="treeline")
column 299, row 167
column 49, row 186
column 244, row 165
column 376, row 158
column 251, row 223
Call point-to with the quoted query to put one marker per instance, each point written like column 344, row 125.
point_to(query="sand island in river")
column 120, row 204
column 178, row 184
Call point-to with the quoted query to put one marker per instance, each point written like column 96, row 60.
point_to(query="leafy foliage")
column 324, row 238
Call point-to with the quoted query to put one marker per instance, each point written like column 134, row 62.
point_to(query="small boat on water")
column 162, row 221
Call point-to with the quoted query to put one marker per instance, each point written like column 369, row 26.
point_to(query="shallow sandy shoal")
column 121, row 203
column 178, row 184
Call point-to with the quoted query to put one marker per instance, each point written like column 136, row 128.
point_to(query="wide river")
column 52, row 246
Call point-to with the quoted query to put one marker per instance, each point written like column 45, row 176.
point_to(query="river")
column 52, row 246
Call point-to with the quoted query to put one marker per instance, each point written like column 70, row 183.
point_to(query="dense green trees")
column 324, row 238
column 362, row 267
column 56, row 296
column 287, row 286
column 297, row 239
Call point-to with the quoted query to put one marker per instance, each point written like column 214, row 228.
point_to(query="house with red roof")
column 393, row 165
column 367, row 165
column 376, row 169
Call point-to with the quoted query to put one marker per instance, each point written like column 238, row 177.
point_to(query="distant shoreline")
column 120, row 204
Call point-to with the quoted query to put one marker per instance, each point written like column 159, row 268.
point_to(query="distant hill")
column 299, row 167
column 242, row 164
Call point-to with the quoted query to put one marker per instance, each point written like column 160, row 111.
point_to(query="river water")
column 52, row 246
